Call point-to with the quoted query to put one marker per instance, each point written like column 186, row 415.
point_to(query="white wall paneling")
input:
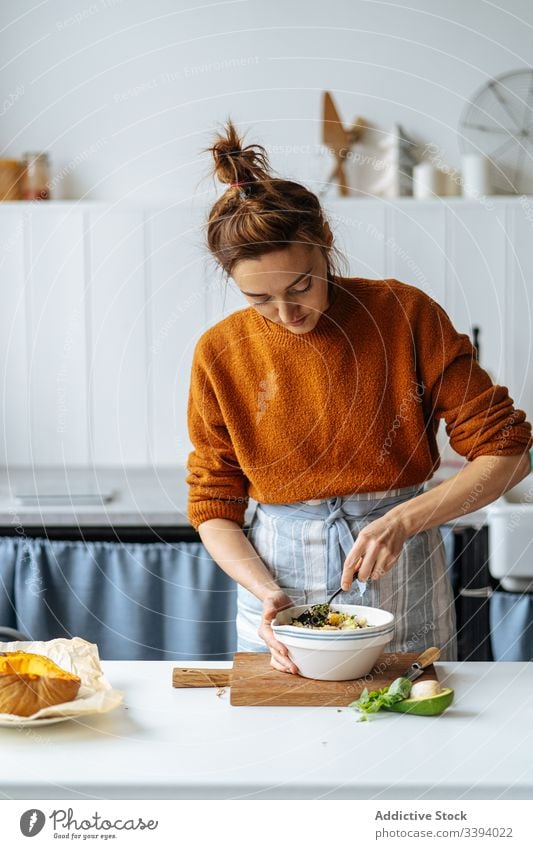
column 56, row 343
column 477, row 279
column 14, row 430
column 126, row 95
column 415, row 247
column 102, row 306
column 117, row 333
column 520, row 302
column 359, row 232
column 179, row 294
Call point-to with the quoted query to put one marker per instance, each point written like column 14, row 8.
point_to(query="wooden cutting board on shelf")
column 253, row 682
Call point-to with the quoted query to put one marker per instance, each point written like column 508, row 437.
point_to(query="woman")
column 321, row 401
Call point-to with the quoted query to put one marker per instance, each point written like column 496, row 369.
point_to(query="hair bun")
column 278, row 212
column 235, row 163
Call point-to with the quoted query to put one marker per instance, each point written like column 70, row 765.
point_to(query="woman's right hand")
column 272, row 604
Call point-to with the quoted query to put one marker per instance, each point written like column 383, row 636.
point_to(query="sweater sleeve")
column 218, row 487
column 480, row 416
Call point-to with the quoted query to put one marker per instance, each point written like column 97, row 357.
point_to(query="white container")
column 476, row 175
column 335, row 655
column 452, row 182
column 428, row 181
column 510, row 521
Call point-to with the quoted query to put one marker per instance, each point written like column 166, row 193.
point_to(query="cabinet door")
column 15, row 430
column 179, row 295
column 477, row 279
column 415, row 247
column 117, row 318
column 358, row 228
column 520, row 304
column 56, row 350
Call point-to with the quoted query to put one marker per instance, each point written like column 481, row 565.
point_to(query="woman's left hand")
column 379, row 545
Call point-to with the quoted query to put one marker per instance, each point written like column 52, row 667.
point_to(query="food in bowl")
column 335, row 654
column 323, row 617
column 29, row 682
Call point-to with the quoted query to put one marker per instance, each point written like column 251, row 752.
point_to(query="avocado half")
column 428, row 706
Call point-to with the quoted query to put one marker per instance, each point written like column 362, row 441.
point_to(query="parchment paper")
column 81, row 658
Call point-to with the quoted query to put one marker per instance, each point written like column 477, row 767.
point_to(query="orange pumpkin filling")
column 29, row 682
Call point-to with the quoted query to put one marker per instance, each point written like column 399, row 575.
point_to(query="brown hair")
column 266, row 213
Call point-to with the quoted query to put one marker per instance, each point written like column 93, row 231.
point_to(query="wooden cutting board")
column 254, row 682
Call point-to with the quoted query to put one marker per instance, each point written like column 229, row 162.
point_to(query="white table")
column 169, row 743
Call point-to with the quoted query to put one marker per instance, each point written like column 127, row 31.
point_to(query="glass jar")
column 36, row 177
column 11, row 179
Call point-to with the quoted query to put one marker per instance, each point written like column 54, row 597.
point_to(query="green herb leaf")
column 373, row 701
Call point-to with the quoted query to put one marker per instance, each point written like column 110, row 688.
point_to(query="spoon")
column 360, row 584
column 316, row 619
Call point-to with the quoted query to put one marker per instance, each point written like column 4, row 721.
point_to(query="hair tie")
column 243, row 193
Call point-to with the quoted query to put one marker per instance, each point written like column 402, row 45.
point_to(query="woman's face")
column 286, row 285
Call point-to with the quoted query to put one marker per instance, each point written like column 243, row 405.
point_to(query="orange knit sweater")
column 351, row 406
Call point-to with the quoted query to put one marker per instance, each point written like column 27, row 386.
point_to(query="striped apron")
column 304, row 544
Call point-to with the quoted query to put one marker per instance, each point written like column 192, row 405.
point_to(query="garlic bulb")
column 425, row 689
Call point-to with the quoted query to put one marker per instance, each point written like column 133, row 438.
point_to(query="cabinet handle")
column 481, row 592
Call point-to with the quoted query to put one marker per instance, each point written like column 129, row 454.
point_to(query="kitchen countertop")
column 166, row 743
column 142, row 497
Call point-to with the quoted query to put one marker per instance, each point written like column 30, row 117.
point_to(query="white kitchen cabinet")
column 103, row 304
column 478, row 284
column 15, row 439
column 519, row 316
column 56, row 340
column 179, row 294
column 117, row 373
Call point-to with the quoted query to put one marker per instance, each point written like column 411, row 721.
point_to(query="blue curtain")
column 137, row 601
column 511, row 626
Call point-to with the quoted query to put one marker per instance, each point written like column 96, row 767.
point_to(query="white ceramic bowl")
column 335, row 655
